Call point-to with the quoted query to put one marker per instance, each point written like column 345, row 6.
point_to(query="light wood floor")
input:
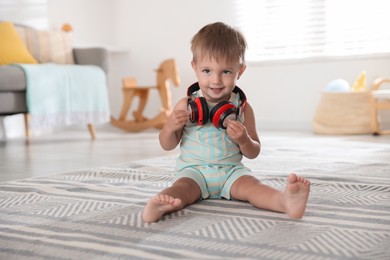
column 69, row 150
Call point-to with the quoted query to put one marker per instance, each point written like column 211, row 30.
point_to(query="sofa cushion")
column 12, row 78
column 47, row 46
column 13, row 103
column 92, row 56
column 12, row 48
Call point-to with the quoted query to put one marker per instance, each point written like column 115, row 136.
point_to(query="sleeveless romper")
column 210, row 158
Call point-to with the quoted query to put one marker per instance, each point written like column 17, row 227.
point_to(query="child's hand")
column 237, row 132
column 178, row 119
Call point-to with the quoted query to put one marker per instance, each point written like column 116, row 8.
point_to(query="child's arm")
column 245, row 135
column 172, row 131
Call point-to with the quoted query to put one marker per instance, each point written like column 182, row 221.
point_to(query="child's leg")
column 183, row 192
column 291, row 201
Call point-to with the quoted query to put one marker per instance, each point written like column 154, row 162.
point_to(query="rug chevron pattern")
column 96, row 213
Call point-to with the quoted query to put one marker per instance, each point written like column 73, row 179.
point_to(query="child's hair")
column 218, row 40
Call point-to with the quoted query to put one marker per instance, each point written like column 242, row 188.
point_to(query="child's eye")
column 206, row 71
column 227, row 72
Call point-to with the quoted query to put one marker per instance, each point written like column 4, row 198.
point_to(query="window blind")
column 299, row 29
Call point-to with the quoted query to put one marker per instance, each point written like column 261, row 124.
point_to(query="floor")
column 71, row 149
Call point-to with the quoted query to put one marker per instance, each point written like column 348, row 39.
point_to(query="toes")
column 165, row 199
column 292, row 178
column 160, row 199
column 303, row 180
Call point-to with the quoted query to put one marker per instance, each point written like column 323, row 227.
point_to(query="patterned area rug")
column 96, row 213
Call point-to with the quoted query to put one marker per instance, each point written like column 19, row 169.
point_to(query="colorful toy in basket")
column 360, row 83
column 338, row 85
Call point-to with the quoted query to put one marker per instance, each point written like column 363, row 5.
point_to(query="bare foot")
column 158, row 205
column 296, row 195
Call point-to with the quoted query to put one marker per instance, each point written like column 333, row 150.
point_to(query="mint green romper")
column 210, row 158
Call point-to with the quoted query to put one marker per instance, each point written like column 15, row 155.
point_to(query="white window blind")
column 299, row 29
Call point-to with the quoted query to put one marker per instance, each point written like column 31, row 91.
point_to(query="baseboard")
column 270, row 125
column 13, row 126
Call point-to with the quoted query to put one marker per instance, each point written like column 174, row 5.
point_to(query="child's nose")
column 217, row 78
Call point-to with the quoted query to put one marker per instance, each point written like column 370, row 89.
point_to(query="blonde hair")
column 219, row 41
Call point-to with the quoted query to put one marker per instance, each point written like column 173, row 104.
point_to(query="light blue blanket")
column 60, row 95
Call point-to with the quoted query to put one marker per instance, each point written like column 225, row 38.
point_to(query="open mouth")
column 216, row 90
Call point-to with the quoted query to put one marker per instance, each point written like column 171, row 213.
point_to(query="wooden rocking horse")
column 166, row 71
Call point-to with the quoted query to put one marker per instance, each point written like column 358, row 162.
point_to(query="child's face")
column 217, row 79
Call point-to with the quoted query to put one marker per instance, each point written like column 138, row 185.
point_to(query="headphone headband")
column 193, row 88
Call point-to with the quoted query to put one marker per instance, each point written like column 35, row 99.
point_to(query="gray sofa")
column 13, row 81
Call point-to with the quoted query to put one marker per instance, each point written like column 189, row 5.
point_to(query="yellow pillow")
column 12, row 49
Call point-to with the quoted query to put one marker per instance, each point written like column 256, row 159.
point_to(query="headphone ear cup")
column 221, row 112
column 191, row 107
column 199, row 111
column 205, row 111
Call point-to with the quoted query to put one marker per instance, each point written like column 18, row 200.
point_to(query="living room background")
column 140, row 34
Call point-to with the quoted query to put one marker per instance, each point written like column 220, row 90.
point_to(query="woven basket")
column 343, row 113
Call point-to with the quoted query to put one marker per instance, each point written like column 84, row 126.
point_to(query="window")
column 299, row 29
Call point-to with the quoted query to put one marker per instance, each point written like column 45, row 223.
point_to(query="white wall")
column 156, row 30
column 92, row 20
column 143, row 33
column 284, row 95
column 28, row 12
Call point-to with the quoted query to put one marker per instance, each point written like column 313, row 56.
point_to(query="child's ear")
column 241, row 71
